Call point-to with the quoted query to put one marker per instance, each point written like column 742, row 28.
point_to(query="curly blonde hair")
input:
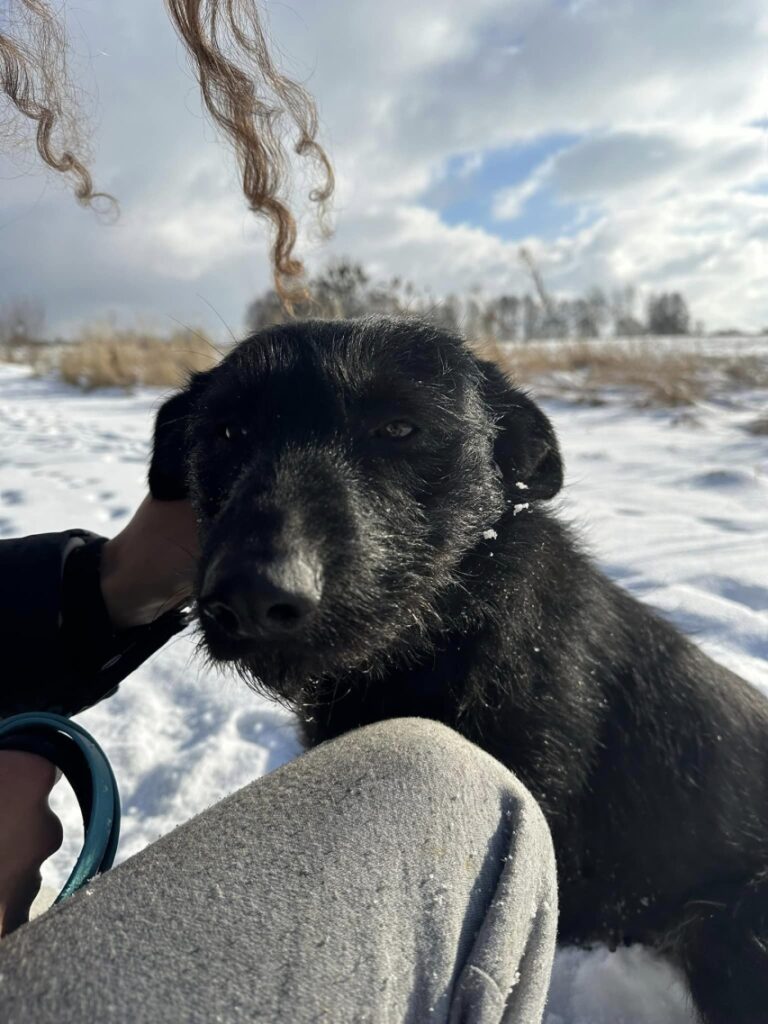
column 255, row 106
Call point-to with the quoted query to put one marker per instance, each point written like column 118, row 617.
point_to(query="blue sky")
column 621, row 141
column 465, row 192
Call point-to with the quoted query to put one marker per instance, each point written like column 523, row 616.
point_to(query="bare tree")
column 626, row 324
column 583, row 318
column 341, row 290
column 266, row 311
column 22, row 321
column 668, row 314
column 532, row 319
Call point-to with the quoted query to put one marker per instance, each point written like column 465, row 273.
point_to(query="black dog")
column 376, row 543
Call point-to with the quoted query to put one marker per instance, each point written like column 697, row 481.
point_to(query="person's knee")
column 418, row 748
column 428, row 758
column 438, row 786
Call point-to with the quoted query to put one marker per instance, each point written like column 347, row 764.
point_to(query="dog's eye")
column 226, row 432
column 397, row 430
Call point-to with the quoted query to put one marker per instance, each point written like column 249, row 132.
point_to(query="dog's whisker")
column 197, row 334
column 221, row 318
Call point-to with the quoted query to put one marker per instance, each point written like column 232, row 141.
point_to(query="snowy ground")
column 674, row 505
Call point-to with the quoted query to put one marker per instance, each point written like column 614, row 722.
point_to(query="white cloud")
column 508, row 203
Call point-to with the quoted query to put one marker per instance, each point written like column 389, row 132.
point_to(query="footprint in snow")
column 748, row 594
column 724, row 478
column 727, row 524
column 7, row 527
column 155, row 791
column 12, row 497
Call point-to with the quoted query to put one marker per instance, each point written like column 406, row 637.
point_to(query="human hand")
column 29, row 832
column 149, row 567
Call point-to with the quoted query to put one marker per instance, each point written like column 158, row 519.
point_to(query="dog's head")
column 342, row 472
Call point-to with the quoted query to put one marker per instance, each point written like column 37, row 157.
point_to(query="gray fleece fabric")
column 397, row 874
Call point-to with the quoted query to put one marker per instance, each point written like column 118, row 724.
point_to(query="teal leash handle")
column 90, row 774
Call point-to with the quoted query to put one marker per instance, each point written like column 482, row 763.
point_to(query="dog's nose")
column 276, row 601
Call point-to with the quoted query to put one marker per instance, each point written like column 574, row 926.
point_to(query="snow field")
column 673, row 504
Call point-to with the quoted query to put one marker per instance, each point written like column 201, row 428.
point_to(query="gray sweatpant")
column 395, row 874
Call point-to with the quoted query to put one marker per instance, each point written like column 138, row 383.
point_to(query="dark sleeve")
column 58, row 648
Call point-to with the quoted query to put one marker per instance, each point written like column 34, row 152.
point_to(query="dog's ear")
column 167, row 470
column 525, row 449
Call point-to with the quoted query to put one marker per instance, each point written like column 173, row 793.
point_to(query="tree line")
column 345, row 289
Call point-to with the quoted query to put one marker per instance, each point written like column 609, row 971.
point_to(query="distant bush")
column 105, row 357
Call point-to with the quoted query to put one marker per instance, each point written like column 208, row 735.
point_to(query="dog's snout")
column 245, row 609
column 269, row 602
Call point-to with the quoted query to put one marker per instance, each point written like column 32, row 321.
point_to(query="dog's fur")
column 446, row 588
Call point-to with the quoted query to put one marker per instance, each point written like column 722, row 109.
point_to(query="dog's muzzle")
column 242, row 600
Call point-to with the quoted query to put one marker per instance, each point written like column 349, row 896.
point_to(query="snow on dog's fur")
column 377, row 542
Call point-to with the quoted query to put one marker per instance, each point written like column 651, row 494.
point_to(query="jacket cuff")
column 66, row 656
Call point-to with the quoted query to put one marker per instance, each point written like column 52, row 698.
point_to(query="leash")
column 86, row 768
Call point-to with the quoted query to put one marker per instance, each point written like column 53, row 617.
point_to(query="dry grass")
column 652, row 376
column 642, row 372
column 20, row 352
column 107, row 358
